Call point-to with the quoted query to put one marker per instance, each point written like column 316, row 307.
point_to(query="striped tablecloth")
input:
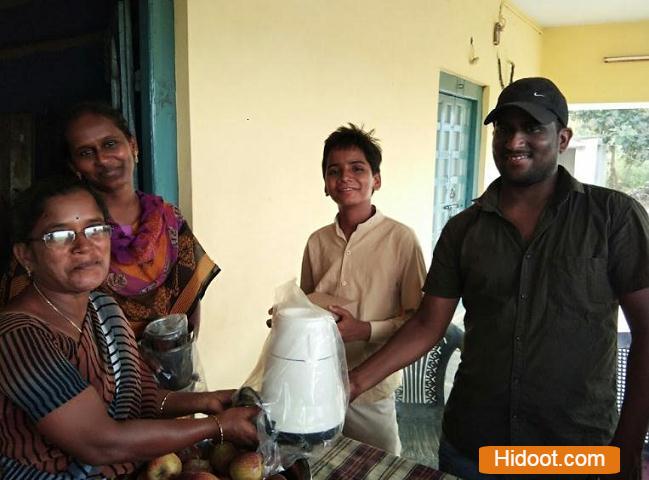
column 348, row 459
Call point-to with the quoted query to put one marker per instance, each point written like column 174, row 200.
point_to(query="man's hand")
column 351, row 330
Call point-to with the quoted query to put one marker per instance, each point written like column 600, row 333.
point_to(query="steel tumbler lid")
column 166, row 333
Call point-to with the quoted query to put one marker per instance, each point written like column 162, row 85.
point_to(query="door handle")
column 450, row 206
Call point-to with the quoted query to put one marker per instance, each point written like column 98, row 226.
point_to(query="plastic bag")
column 300, row 382
column 172, row 354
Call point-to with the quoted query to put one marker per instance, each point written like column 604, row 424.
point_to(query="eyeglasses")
column 64, row 238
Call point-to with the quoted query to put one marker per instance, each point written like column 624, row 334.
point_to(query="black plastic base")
column 288, row 438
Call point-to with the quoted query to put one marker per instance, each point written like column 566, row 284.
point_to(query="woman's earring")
column 137, row 159
column 73, row 170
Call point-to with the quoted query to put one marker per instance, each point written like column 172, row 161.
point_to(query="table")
column 347, row 459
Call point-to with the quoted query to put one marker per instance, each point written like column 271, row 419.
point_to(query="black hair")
column 353, row 136
column 30, row 203
column 96, row 108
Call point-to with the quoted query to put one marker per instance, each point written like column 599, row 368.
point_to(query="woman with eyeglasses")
column 75, row 400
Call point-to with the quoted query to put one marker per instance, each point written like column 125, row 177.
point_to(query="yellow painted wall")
column 573, row 56
column 265, row 82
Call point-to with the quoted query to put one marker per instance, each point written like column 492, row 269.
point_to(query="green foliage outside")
column 625, row 134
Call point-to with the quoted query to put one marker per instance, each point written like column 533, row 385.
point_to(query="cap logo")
column 536, row 94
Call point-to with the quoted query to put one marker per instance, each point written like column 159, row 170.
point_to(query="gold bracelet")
column 164, row 400
column 220, row 428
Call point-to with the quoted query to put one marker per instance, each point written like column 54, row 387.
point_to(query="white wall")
column 262, row 83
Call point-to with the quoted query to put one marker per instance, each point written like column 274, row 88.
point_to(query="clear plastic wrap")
column 300, row 381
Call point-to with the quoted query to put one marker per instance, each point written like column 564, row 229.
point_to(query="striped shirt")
column 42, row 369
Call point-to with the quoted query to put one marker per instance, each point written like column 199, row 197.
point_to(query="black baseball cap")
column 537, row 96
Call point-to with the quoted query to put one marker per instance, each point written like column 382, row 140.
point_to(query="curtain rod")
column 627, row 58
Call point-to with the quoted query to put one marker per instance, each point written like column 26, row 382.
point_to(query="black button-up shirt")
column 538, row 365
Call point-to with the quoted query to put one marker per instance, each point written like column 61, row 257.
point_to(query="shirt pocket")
column 580, row 283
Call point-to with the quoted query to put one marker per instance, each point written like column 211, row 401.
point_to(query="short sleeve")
column 444, row 279
column 628, row 265
column 34, row 373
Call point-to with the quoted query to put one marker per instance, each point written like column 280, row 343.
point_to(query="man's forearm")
column 417, row 336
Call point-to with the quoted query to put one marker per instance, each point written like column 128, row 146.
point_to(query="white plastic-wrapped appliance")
column 303, row 387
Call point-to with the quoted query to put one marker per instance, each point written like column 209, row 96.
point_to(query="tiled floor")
column 419, row 429
column 421, row 425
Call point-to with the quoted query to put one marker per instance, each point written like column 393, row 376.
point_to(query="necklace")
column 53, row 307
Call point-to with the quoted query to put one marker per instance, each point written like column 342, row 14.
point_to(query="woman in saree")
column 157, row 265
column 76, row 401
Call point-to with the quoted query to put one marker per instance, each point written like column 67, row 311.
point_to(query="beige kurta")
column 382, row 268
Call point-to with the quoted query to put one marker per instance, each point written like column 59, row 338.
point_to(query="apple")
column 165, row 467
column 196, row 465
column 221, row 456
column 197, row 476
column 247, row 466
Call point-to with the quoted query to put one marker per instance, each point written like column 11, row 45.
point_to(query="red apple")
column 247, row 466
column 221, row 456
column 165, row 467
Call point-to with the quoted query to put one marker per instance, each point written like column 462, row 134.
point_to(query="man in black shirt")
column 541, row 263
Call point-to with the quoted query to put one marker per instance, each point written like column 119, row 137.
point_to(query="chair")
column 420, row 399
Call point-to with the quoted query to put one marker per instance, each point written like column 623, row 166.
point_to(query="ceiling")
column 552, row 13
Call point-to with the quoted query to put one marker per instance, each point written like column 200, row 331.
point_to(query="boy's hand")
column 351, row 330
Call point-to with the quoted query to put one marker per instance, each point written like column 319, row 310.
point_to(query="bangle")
column 164, row 400
column 220, row 428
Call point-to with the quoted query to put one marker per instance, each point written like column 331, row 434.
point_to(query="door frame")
column 158, row 98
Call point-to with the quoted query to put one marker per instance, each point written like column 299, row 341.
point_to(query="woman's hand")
column 351, row 330
column 180, row 404
column 239, row 425
column 218, row 401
